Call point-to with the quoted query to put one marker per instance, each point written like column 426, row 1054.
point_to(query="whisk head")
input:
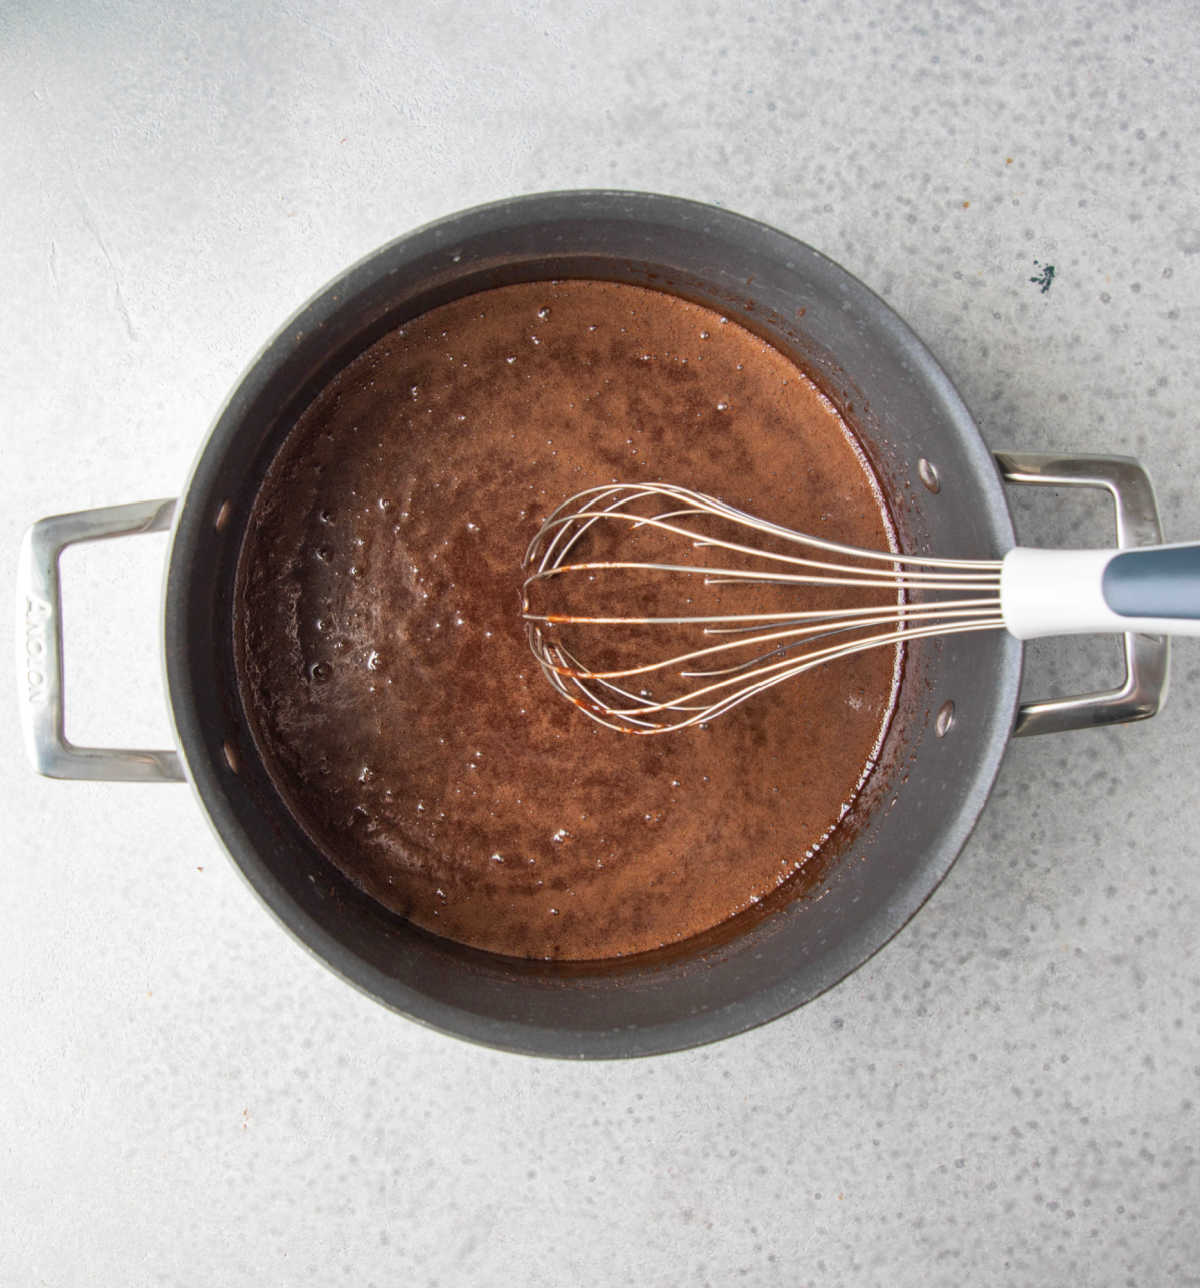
column 753, row 629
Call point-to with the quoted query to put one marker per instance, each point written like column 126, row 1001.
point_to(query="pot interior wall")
column 920, row 803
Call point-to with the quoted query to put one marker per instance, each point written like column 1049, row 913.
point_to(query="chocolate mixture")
column 384, row 664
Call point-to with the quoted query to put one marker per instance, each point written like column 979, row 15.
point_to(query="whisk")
column 736, row 655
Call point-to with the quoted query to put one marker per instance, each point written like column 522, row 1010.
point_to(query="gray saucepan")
column 960, row 695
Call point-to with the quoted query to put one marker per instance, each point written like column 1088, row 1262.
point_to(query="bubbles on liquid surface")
column 321, row 671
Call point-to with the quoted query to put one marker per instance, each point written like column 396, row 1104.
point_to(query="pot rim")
column 194, row 524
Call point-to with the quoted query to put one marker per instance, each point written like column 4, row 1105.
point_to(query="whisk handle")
column 1151, row 589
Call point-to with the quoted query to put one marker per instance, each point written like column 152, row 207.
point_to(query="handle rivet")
column 945, row 720
column 928, row 473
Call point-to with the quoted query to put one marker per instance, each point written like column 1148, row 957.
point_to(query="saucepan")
column 959, row 705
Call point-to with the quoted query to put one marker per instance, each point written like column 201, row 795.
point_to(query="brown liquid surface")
column 384, row 664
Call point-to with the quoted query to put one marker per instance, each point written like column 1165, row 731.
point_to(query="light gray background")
column 1007, row 1093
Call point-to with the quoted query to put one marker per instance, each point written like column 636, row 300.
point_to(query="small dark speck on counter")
column 1044, row 277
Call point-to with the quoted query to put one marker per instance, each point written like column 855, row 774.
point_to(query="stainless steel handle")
column 39, row 648
column 1146, row 656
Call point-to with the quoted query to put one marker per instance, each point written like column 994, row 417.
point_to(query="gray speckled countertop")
column 1006, row 1094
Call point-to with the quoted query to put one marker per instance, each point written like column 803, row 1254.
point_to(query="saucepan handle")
column 1146, row 655
column 39, row 648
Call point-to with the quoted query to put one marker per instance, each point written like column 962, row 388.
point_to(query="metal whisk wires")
column 738, row 654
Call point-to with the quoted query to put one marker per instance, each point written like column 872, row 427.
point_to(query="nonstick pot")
column 959, row 697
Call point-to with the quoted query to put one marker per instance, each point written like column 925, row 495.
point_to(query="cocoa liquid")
column 384, row 665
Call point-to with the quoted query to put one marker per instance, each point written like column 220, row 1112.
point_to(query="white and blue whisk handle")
column 1152, row 589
